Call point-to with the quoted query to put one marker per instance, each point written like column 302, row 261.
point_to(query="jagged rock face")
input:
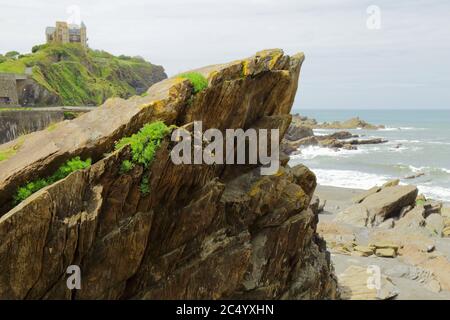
column 202, row 232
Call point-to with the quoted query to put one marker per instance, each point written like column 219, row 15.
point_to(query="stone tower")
column 62, row 32
column 83, row 35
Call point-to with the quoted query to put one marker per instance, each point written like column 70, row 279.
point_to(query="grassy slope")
column 81, row 77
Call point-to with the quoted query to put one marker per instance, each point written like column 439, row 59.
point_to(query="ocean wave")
column 323, row 132
column 406, row 141
column 425, row 169
column 362, row 180
column 401, row 129
column 311, row 152
column 438, row 143
column 435, row 192
column 349, row 178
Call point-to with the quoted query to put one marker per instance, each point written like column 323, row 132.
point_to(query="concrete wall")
column 8, row 89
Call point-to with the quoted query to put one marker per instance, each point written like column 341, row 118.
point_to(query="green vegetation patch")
column 144, row 145
column 126, row 166
column 199, row 82
column 80, row 76
column 420, row 202
column 5, row 154
column 63, row 171
column 70, row 115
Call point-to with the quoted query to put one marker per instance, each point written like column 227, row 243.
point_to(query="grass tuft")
column 199, row 82
column 144, row 145
column 126, row 166
column 67, row 168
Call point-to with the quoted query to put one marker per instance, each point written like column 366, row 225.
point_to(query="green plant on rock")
column 145, row 186
column 67, row 168
column 70, row 115
column 198, row 81
column 420, row 202
column 126, row 166
column 144, row 145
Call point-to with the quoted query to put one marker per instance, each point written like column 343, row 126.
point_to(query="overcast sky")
column 404, row 64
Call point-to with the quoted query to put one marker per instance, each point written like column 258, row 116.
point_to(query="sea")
column 419, row 142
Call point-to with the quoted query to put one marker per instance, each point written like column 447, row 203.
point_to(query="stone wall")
column 15, row 123
column 8, row 90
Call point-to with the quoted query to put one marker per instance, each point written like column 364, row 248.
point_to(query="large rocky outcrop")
column 202, row 231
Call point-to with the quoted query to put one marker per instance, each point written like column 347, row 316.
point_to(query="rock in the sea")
column 349, row 147
column 342, row 135
column 358, row 283
column 200, row 232
column 414, row 176
column 354, row 123
column 367, row 141
column 295, row 133
column 308, row 141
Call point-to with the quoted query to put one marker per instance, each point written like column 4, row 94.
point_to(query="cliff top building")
column 67, row 33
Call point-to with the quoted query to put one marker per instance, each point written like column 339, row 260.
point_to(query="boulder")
column 412, row 219
column 432, row 207
column 387, row 224
column 391, row 183
column 379, row 206
column 405, row 210
column 356, row 215
column 389, row 202
column 341, row 135
column 360, row 197
column 435, row 223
